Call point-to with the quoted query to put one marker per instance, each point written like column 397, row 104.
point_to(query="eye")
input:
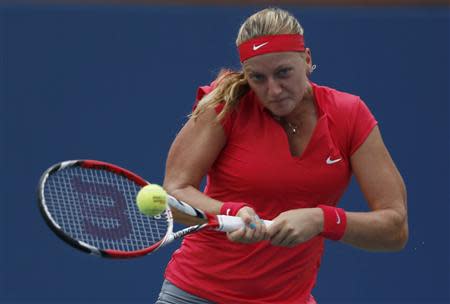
column 256, row 77
column 283, row 72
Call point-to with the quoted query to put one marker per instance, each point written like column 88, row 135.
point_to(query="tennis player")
column 275, row 145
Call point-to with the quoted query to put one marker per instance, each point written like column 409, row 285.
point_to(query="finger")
column 286, row 238
column 236, row 235
column 243, row 235
column 279, row 238
column 287, row 241
column 255, row 230
column 292, row 244
column 249, row 235
column 273, row 229
column 249, row 220
column 261, row 230
column 247, row 215
column 276, row 238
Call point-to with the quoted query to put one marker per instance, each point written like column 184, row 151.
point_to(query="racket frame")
column 219, row 223
column 83, row 246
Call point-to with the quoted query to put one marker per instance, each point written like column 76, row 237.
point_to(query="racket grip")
column 232, row 223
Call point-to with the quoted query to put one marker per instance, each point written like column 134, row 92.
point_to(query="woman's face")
column 279, row 79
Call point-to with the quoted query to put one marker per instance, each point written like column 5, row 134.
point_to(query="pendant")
column 293, row 128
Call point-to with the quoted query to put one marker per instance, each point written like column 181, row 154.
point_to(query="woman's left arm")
column 385, row 226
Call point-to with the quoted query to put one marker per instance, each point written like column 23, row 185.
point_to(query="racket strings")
column 98, row 207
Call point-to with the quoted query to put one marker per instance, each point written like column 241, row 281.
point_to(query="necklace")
column 293, row 128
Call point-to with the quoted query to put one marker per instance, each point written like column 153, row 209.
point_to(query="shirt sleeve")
column 362, row 124
column 227, row 121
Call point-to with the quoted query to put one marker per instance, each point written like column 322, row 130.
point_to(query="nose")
column 273, row 88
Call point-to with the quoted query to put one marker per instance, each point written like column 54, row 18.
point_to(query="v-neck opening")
column 311, row 140
column 320, row 118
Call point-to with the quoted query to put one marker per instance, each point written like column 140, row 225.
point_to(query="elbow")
column 172, row 183
column 175, row 186
column 172, row 187
column 400, row 234
column 404, row 236
column 399, row 243
column 394, row 243
column 393, row 232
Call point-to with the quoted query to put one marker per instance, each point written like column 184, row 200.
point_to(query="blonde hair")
column 232, row 85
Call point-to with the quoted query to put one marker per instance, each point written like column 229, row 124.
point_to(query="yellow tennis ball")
column 152, row 200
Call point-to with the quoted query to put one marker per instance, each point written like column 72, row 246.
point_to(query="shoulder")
column 202, row 91
column 240, row 114
column 335, row 102
column 349, row 118
column 248, row 102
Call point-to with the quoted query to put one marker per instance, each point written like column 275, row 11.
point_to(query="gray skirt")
column 170, row 294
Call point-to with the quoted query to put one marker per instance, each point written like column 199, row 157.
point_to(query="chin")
column 281, row 109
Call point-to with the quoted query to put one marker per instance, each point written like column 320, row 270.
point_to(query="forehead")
column 271, row 61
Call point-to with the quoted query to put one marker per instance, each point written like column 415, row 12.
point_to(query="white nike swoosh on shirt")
column 256, row 47
column 333, row 161
column 228, row 211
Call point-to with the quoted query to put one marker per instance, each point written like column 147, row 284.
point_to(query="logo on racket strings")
column 99, row 219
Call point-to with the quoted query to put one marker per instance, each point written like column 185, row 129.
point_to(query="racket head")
column 90, row 205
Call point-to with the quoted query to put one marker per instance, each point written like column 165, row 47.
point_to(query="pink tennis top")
column 256, row 167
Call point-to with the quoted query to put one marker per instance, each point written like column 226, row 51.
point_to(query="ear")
column 308, row 60
column 310, row 67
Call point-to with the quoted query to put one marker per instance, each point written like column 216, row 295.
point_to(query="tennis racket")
column 91, row 205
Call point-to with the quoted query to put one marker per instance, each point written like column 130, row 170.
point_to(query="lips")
column 280, row 100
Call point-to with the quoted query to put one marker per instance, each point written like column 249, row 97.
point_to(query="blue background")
column 116, row 84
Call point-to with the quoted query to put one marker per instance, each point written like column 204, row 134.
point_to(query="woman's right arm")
column 193, row 152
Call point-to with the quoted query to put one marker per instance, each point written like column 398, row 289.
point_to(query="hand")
column 296, row 226
column 254, row 230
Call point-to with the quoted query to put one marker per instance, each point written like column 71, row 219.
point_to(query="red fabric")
column 334, row 222
column 231, row 208
column 271, row 44
column 204, row 90
column 256, row 167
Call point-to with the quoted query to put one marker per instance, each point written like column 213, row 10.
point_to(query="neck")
column 304, row 108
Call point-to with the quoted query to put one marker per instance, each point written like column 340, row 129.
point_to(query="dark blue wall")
column 116, row 83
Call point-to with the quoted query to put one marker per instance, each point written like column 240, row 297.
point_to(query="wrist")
column 334, row 222
column 231, row 208
column 319, row 220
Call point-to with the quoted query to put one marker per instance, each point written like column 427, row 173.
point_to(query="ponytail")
column 230, row 87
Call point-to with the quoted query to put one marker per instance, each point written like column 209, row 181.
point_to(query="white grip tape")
column 232, row 223
column 181, row 206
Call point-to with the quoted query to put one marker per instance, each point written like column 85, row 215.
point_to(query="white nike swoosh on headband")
column 256, row 47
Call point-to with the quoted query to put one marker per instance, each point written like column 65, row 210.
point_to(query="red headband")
column 271, row 44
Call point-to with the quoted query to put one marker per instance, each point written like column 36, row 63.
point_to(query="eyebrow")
column 277, row 69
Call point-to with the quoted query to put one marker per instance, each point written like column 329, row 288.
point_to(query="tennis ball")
column 151, row 200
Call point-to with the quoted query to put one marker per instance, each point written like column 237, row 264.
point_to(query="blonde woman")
column 274, row 145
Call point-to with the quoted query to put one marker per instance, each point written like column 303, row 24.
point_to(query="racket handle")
column 232, row 223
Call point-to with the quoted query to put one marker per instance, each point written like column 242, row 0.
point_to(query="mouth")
column 279, row 100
